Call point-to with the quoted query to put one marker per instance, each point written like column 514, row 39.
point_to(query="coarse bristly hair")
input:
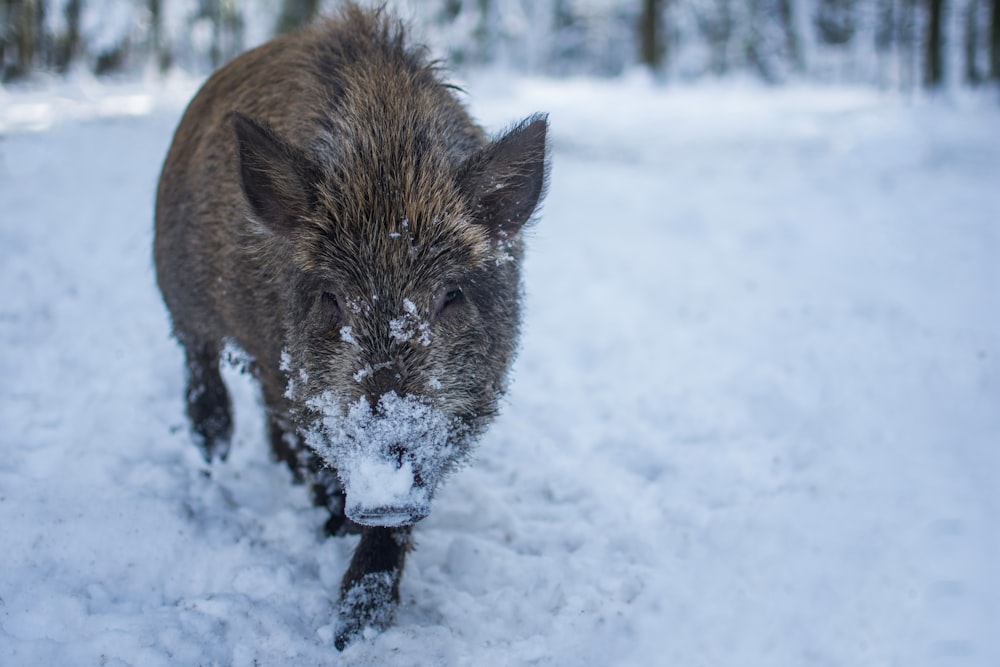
column 329, row 206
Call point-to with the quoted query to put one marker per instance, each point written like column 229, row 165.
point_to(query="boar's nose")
column 381, row 492
column 385, row 380
column 390, row 516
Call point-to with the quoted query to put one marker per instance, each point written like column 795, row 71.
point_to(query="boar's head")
column 398, row 261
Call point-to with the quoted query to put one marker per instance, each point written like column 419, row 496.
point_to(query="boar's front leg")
column 208, row 405
column 369, row 592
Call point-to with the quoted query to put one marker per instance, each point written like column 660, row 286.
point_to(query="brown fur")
column 330, row 179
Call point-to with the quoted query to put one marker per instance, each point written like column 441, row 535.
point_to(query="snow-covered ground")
column 755, row 421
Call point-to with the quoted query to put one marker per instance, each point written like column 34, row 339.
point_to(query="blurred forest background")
column 897, row 44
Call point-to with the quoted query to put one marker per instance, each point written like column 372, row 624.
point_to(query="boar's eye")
column 447, row 298
column 331, row 304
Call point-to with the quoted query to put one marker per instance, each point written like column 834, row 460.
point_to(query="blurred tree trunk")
column 793, row 40
column 67, row 47
column 652, row 47
column 295, row 14
column 6, row 21
column 18, row 56
column 885, row 39
column 908, row 30
column 488, row 31
column 995, row 42
column 971, row 43
column 934, row 63
column 718, row 30
column 23, row 37
column 751, row 39
column 227, row 30
column 160, row 51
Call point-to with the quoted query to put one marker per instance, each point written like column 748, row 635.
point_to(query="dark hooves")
column 368, row 603
column 213, row 443
column 212, row 425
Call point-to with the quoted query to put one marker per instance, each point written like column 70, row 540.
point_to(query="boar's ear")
column 506, row 180
column 277, row 179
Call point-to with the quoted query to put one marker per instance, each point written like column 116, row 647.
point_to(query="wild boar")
column 329, row 207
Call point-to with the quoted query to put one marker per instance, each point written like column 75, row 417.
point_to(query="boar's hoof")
column 368, row 603
column 208, row 406
column 212, row 433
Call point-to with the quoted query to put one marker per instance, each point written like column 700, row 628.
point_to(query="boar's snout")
column 389, row 516
column 386, row 379
column 386, row 493
column 389, row 457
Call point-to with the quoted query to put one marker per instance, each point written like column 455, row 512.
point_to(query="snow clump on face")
column 410, row 326
column 389, row 459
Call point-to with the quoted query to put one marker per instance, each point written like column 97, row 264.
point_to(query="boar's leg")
column 306, row 466
column 208, row 405
column 286, row 445
column 327, row 492
column 369, row 592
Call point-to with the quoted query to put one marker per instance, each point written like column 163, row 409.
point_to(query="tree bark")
column 68, row 45
column 934, row 63
column 296, row 13
column 970, row 47
column 995, row 42
column 652, row 49
column 160, row 50
column 24, row 21
column 793, row 41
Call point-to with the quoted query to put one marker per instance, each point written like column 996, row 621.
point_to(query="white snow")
column 380, row 455
column 382, row 483
column 347, row 335
column 755, row 421
column 410, row 326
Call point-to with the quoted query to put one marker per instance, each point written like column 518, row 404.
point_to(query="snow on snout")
column 389, row 460
column 383, row 493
